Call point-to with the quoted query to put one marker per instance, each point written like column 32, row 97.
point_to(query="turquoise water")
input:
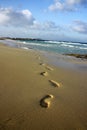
column 56, row 46
column 49, row 46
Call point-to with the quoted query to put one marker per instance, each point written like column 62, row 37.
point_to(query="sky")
column 63, row 20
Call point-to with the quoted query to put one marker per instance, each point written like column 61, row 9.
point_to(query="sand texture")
column 23, row 87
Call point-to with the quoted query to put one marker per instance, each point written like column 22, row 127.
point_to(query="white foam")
column 56, row 45
column 25, row 48
column 24, row 43
column 52, row 42
column 67, row 45
column 83, row 48
column 39, row 44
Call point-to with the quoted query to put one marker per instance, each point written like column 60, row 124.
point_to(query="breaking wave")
column 58, row 46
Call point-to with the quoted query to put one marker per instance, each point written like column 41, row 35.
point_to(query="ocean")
column 53, row 51
column 60, row 47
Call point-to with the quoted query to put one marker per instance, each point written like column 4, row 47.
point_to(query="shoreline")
column 72, row 61
column 82, row 56
column 67, row 62
column 23, row 88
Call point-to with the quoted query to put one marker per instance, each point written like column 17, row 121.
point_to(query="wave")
column 37, row 44
column 83, row 48
column 24, row 42
column 52, row 42
column 77, row 44
column 26, row 48
column 69, row 43
column 57, row 46
column 75, row 47
column 64, row 44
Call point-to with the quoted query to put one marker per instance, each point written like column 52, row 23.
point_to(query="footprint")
column 54, row 83
column 43, row 64
column 38, row 57
column 46, row 101
column 46, row 66
column 49, row 68
column 3, row 125
column 44, row 73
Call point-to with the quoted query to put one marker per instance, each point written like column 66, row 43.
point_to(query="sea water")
column 56, row 48
column 61, row 47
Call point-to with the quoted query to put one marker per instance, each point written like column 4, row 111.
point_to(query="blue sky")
column 46, row 19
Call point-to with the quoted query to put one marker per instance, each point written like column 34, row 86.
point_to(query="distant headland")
column 18, row 38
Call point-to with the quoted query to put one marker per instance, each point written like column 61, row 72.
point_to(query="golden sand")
column 22, row 87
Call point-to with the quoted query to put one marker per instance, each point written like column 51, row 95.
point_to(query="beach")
column 25, row 77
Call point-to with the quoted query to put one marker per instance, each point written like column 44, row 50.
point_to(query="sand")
column 22, row 87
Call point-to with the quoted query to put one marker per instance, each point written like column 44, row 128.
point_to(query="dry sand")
column 22, row 87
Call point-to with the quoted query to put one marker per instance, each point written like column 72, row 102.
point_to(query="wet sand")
column 22, row 87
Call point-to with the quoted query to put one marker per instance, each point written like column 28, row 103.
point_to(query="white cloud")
column 3, row 16
column 67, row 5
column 50, row 25
column 56, row 6
column 22, row 24
column 3, row 19
column 24, row 19
column 9, row 17
column 80, row 27
column 76, row 2
column 72, row 2
column 46, row 26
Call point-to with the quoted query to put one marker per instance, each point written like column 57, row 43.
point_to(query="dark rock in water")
column 83, row 56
